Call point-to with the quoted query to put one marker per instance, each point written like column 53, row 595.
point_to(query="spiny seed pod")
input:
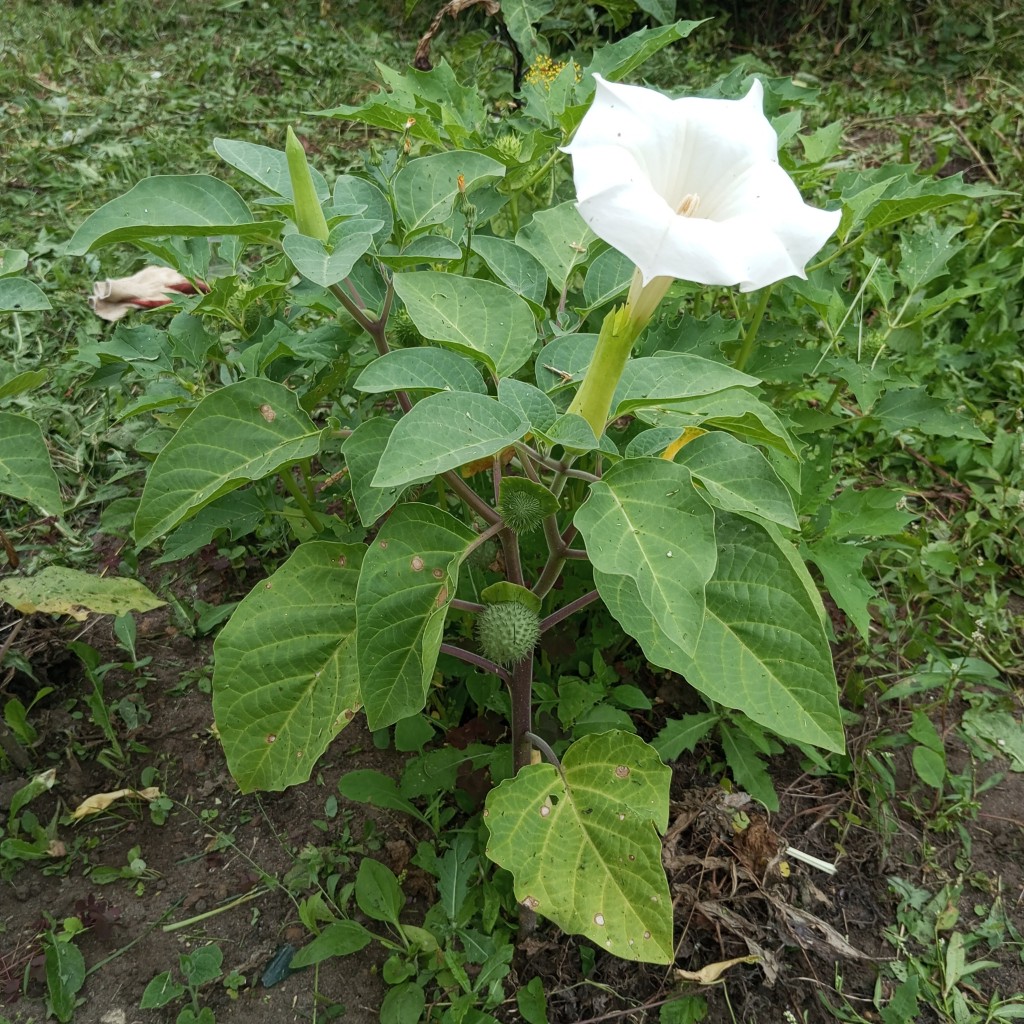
column 508, row 147
column 507, row 632
column 521, row 512
column 401, row 330
column 524, row 504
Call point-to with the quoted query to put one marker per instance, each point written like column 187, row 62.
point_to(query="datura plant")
column 480, row 405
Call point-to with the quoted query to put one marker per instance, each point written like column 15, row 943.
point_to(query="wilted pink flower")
column 113, row 298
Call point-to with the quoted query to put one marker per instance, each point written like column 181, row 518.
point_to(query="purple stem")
column 569, row 609
column 477, row 660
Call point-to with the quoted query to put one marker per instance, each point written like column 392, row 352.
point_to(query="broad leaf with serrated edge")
column 169, row 204
column 444, row 431
column 285, row 681
column 240, row 433
column 738, row 477
column 478, row 318
column 583, row 845
column 420, row 369
column 409, row 577
column 763, row 649
column 645, row 520
column 25, row 469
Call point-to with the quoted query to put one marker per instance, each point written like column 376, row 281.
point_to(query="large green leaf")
column 285, row 679
column 513, row 266
column 409, row 577
column 564, row 360
column 915, row 409
column 327, row 264
column 268, row 167
column 583, row 845
column 559, row 238
column 243, row 432
column 444, row 431
column 25, row 469
column 607, row 278
column 478, row 318
column 618, row 59
column 645, row 520
column 520, row 17
column 425, row 188
column 351, row 191
column 738, row 477
column 169, row 204
column 664, row 380
column 736, row 410
column 362, row 450
column 420, row 369
column 62, row 591
column 763, row 648
column 20, row 296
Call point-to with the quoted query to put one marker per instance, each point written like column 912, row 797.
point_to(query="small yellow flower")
column 543, row 71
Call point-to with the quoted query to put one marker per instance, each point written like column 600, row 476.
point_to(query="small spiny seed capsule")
column 507, row 632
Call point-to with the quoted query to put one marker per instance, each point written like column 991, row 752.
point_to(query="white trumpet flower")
column 691, row 189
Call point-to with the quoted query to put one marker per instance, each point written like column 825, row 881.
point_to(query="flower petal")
column 114, row 298
column 639, row 158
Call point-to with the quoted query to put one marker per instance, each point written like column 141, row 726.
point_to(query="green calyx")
column 507, row 632
column 524, row 504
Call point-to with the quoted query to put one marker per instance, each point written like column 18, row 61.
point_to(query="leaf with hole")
column 582, row 844
column 62, row 591
column 409, row 577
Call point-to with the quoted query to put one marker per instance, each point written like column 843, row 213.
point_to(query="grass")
column 98, row 96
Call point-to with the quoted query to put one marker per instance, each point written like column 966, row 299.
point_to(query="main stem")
column 521, row 691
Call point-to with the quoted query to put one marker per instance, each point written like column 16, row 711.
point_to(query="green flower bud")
column 309, row 214
column 507, row 632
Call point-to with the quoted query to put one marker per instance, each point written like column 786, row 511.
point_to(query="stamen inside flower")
column 688, row 207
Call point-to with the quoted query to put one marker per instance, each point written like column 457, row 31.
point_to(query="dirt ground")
column 737, row 892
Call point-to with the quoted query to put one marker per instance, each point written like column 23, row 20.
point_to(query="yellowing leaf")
column 683, row 439
column 101, row 801
column 63, row 591
column 711, row 973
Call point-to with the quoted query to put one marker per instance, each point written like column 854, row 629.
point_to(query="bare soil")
column 737, row 892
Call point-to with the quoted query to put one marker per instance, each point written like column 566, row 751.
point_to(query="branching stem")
column 569, row 609
column 477, row 660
